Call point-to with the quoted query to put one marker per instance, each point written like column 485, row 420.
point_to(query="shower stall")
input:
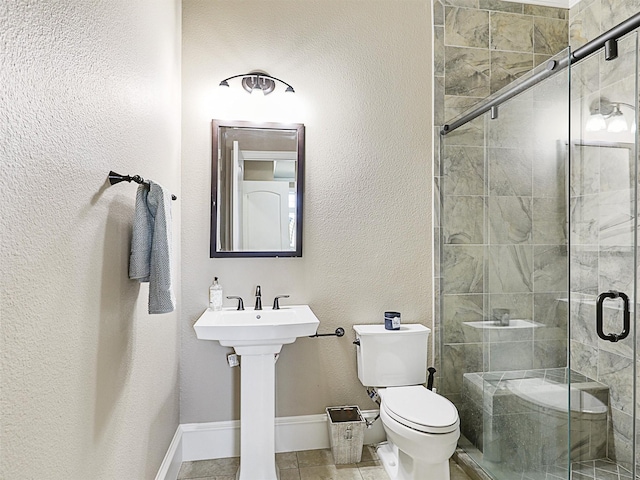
column 537, row 269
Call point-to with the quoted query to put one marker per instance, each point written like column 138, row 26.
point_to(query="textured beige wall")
column 89, row 379
column 362, row 74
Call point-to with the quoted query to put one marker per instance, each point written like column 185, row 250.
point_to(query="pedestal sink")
column 257, row 335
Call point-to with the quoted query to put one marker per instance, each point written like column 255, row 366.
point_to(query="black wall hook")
column 117, row 178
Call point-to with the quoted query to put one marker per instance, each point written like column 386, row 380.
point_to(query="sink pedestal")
column 257, row 414
column 257, row 335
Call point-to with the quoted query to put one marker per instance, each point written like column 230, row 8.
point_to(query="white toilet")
column 422, row 427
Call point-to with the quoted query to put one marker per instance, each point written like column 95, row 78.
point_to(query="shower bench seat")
column 521, row 417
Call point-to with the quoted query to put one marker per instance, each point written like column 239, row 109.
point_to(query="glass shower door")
column 603, row 263
column 504, row 282
column 539, row 275
column 525, row 349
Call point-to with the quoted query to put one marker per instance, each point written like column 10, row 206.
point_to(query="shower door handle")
column 626, row 322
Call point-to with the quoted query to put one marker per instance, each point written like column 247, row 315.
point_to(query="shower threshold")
column 468, row 457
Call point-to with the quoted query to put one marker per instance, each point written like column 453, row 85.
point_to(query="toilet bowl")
column 422, row 427
column 422, row 430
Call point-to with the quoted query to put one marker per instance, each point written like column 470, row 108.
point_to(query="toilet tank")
column 391, row 358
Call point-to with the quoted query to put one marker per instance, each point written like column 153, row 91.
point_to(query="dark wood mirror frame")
column 298, row 128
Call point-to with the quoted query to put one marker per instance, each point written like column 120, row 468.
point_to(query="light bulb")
column 617, row 124
column 595, row 123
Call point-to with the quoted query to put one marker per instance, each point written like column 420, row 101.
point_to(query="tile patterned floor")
column 598, row 470
column 304, row 465
column 601, row 469
column 588, row 470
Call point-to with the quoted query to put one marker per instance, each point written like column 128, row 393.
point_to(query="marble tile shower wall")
column 602, row 255
column 501, row 243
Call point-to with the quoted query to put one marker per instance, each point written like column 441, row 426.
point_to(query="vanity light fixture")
column 617, row 123
column 606, row 114
column 258, row 80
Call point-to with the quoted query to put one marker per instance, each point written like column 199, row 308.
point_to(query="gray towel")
column 150, row 259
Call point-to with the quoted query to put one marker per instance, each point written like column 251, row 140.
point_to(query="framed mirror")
column 256, row 189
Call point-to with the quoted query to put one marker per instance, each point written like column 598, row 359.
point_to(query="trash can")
column 346, row 434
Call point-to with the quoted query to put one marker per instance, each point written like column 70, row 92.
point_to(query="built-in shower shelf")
column 514, row 324
column 591, row 300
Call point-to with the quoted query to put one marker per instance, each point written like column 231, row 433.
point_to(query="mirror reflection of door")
column 265, row 216
column 269, row 179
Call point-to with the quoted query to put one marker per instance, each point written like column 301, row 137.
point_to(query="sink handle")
column 240, row 301
column 276, row 301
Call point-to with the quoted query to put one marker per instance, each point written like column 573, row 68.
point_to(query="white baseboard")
column 204, row 441
column 173, row 458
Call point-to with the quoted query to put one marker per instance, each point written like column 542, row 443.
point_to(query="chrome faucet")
column 258, row 299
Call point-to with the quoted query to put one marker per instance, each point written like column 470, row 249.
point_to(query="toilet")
column 422, row 427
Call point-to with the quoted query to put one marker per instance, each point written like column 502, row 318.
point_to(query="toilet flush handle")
column 431, row 371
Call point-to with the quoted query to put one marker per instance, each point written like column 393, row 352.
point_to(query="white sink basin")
column 245, row 328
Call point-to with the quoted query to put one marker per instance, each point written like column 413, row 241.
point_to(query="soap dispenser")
column 215, row 295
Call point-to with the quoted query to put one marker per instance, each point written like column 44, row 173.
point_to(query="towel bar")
column 338, row 333
column 117, row 178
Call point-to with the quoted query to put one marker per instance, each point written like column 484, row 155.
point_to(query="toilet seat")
column 418, row 408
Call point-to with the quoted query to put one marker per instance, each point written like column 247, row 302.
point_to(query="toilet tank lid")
column 405, row 328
